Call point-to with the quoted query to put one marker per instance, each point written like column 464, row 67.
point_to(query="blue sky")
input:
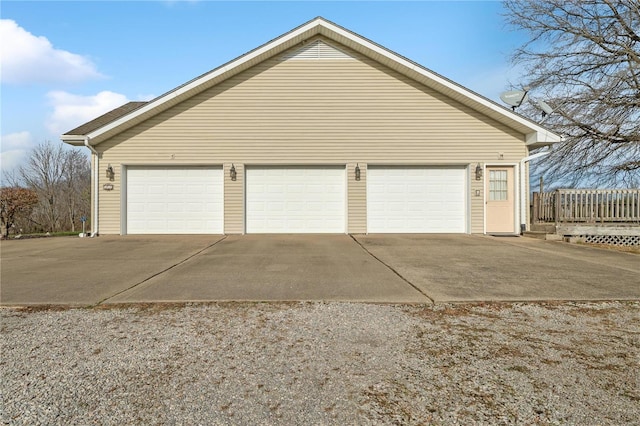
column 64, row 63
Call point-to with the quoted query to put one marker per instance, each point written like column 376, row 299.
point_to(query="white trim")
column 95, row 219
column 538, row 134
column 516, row 194
column 525, row 190
column 531, row 137
column 469, row 199
column 123, row 199
column 199, row 81
column 484, row 198
column 346, row 198
column 517, row 199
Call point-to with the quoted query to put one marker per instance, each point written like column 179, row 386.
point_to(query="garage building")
column 318, row 131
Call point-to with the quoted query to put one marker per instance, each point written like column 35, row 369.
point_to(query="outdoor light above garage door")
column 357, row 172
column 232, row 172
column 110, row 173
column 478, row 172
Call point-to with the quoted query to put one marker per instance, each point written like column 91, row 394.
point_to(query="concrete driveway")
column 86, row 271
column 110, row 269
column 468, row 268
column 377, row 268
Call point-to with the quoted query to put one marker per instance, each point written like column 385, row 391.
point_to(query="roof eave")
column 542, row 137
column 535, row 134
column 438, row 82
column 75, row 140
column 200, row 83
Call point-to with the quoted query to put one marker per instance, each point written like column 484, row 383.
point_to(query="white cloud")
column 15, row 148
column 70, row 111
column 25, row 59
column 17, row 140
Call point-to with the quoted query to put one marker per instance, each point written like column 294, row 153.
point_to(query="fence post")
column 556, row 199
column 535, row 213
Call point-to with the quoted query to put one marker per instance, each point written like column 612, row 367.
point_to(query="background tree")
column 76, row 184
column 583, row 59
column 44, row 173
column 15, row 203
column 61, row 179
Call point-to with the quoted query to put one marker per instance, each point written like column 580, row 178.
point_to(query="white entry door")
column 416, row 200
column 174, row 200
column 295, row 199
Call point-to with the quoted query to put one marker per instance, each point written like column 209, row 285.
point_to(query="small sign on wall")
column 107, row 187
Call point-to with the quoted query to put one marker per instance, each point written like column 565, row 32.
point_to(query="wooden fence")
column 586, row 205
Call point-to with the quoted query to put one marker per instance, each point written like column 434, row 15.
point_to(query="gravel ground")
column 323, row 363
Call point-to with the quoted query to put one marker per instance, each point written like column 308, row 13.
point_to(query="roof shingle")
column 105, row 119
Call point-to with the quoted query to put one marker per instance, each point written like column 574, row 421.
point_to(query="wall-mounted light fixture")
column 232, row 172
column 357, row 172
column 110, row 173
column 478, row 172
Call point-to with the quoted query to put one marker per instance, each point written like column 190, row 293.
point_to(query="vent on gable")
column 317, row 49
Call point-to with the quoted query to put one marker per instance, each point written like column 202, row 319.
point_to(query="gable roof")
column 105, row 119
column 129, row 115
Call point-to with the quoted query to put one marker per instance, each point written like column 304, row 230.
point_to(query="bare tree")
column 77, row 176
column 44, row 173
column 583, row 59
column 61, row 178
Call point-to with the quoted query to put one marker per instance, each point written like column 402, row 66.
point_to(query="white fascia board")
column 75, row 140
column 205, row 78
column 321, row 23
column 537, row 131
column 542, row 136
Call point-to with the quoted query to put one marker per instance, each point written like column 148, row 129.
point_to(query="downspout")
column 94, row 219
column 524, row 194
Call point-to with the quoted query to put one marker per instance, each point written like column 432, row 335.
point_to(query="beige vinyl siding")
column 110, row 201
column 234, row 199
column 311, row 112
column 356, row 199
column 476, row 201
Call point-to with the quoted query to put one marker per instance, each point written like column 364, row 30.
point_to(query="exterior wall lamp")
column 110, row 173
column 478, row 172
column 232, row 172
column 357, row 171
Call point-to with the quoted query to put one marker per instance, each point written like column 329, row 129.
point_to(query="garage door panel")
column 416, row 199
column 174, row 200
column 295, row 200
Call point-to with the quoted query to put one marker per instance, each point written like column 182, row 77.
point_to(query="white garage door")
column 416, row 199
column 295, row 200
column 172, row 200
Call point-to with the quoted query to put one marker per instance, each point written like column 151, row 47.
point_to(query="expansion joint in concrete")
column 393, row 270
column 159, row 273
